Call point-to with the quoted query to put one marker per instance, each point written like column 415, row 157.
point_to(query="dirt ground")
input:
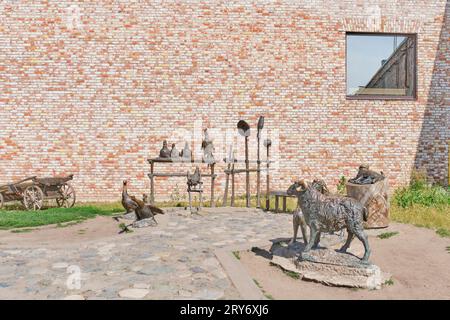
column 98, row 229
column 416, row 258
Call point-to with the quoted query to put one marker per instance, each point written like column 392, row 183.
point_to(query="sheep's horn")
column 303, row 183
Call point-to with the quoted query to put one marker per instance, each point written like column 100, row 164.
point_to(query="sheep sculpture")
column 324, row 213
column 297, row 217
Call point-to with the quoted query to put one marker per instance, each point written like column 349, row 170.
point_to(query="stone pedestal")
column 328, row 267
column 375, row 198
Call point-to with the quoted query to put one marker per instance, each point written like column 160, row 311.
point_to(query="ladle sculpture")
column 244, row 130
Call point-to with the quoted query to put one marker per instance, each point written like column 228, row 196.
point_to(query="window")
column 381, row 66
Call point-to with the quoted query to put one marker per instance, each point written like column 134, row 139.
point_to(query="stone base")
column 328, row 267
column 149, row 222
column 130, row 216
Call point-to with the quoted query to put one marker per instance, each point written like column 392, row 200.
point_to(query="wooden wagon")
column 32, row 192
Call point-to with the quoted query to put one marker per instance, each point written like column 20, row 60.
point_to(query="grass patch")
column 387, row 235
column 437, row 217
column 443, row 232
column 389, row 282
column 420, row 192
column 123, row 227
column 237, row 255
column 12, row 219
column 24, row 230
column 448, row 249
column 267, row 295
column 292, row 274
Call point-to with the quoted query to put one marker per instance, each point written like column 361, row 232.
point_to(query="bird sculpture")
column 145, row 211
column 164, row 152
column 186, row 153
column 129, row 204
column 174, row 154
column 194, row 179
column 208, row 148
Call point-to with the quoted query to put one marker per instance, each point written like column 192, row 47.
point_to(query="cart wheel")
column 67, row 196
column 1, row 201
column 33, row 198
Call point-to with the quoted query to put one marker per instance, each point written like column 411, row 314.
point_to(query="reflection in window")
column 381, row 65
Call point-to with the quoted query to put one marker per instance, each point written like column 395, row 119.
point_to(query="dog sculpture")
column 298, row 220
column 331, row 213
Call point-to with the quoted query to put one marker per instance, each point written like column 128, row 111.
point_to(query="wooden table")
column 278, row 194
column 152, row 175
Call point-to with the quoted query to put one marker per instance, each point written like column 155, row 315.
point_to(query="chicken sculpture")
column 146, row 211
column 186, row 153
column 194, row 179
column 174, row 154
column 127, row 202
column 208, row 148
column 141, row 209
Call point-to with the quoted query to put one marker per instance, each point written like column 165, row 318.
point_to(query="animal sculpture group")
column 142, row 209
column 325, row 213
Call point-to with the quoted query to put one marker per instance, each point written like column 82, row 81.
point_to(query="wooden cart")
column 32, row 192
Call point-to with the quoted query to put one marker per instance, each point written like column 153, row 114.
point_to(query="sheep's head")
column 297, row 187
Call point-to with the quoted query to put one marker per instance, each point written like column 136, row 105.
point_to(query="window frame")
column 413, row 97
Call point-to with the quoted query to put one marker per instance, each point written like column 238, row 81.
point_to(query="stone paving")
column 171, row 261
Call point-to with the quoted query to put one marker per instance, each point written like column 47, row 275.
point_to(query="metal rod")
column 247, row 175
column 152, row 184
column 267, row 181
column 258, row 178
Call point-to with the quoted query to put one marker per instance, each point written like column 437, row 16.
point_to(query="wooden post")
column 267, row 182
column 284, row 204
column 247, row 175
column 277, row 198
column 152, row 183
column 232, row 185
column 213, row 177
column 225, row 193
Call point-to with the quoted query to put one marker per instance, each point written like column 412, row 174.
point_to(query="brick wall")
column 93, row 87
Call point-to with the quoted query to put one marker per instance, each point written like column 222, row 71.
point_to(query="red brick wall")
column 93, row 87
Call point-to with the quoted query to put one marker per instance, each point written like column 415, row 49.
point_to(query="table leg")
column 152, row 184
column 284, row 204
column 213, row 178
column 276, row 203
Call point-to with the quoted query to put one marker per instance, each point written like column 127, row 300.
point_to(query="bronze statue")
column 331, row 213
column 195, row 184
column 174, row 154
column 298, row 219
column 208, row 148
column 186, row 153
column 366, row 176
column 164, row 152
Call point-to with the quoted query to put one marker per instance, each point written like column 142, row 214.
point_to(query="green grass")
column 13, row 219
column 436, row 218
column 267, row 295
column 443, row 232
column 389, row 282
column 423, row 205
column 387, row 235
column 292, row 274
column 237, row 255
column 420, row 192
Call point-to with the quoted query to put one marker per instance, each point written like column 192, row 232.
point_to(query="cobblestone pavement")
column 174, row 260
